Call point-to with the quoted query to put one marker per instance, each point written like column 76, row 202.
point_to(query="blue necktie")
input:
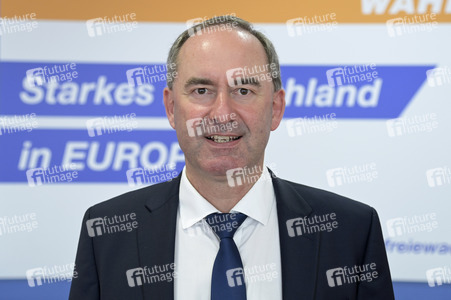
column 227, row 281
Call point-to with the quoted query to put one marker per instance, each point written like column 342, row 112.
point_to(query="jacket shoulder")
column 137, row 199
column 325, row 201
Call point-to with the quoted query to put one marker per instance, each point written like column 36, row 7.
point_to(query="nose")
column 222, row 107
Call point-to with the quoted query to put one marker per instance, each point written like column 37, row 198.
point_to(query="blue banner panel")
column 75, row 89
column 64, row 156
column 80, row 89
column 361, row 91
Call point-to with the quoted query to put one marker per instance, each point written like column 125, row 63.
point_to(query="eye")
column 201, row 91
column 243, row 91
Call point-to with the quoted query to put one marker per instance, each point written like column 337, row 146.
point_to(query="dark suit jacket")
column 102, row 261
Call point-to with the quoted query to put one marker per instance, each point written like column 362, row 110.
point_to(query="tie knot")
column 225, row 225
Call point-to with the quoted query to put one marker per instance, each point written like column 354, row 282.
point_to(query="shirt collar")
column 256, row 204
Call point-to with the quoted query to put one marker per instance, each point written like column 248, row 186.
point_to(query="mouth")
column 222, row 138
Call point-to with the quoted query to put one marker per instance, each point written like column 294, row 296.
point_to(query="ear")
column 168, row 99
column 278, row 108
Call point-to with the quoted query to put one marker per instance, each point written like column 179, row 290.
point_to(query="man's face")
column 222, row 123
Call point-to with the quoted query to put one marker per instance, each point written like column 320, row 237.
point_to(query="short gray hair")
column 231, row 21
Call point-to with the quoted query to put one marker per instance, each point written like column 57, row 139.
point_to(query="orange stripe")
column 265, row 11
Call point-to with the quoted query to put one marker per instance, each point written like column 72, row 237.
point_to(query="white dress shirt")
column 257, row 239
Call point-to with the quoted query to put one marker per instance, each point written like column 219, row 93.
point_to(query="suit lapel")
column 299, row 253
column 156, row 237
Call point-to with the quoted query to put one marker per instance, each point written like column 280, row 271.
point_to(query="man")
column 226, row 227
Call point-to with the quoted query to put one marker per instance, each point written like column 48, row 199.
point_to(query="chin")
column 220, row 165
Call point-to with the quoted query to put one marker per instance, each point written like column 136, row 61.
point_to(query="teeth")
column 222, row 139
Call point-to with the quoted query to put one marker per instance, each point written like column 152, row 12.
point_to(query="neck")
column 216, row 189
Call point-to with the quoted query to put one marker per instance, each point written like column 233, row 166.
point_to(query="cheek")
column 180, row 115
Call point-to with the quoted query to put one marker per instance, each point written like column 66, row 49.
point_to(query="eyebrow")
column 197, row 80
column 206, row 81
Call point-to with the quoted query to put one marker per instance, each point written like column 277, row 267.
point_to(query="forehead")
column 220, row 51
